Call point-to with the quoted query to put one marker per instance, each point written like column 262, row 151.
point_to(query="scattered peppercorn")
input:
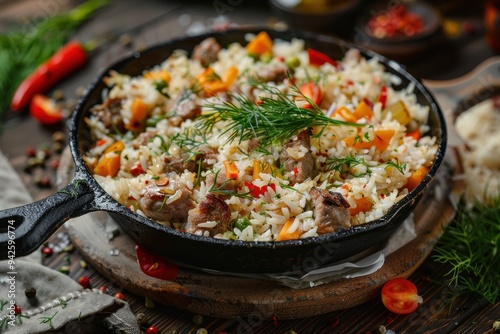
column 85, row 282
column 30, row 292
column 69, row 248
column 83, row 264
column 152, row 330
column 381, row 330
column 47, row 251
column 119, row 295
column 64, row 270
column 141, row 318
column 496, row 326
column 202, row 331
column 103, row 289
column 149, row 303
column 198, row 319
column 17, row 309
column 58, row 147
column 31, row 152
column 58, row 137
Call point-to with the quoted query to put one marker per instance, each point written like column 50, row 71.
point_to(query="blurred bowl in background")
column 399, row 31
column 326, row 16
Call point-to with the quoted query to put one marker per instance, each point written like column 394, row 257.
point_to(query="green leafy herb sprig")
column 471, row 246
column 274, row 119
column 23, row 49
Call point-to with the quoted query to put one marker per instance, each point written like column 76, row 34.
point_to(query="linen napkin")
column 50, row 301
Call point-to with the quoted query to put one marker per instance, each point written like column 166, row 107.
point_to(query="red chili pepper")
column 382, row 98
column 257, row 191
column 69, row 58
column 44, row 110
column 155, row 266
column 317, row 58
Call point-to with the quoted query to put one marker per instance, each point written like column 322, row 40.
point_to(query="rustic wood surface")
column 149, row 22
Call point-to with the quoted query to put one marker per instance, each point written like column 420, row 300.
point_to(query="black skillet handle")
column 23, row 229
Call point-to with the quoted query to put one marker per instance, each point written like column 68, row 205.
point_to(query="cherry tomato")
column 84, row 282
column 44, row 110
column 399, row 296
column 311, row 92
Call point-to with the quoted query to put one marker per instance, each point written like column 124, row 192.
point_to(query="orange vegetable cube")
column 260, row 44
column 109, row 163
column 417, row 177
column 363, row 204
column 363, row 110
column 285, row 235
column 139, row 113
column 231, row 170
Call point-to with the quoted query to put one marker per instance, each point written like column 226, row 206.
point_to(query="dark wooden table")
column 151, row 21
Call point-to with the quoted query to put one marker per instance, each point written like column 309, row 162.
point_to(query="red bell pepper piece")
column 257, row 191
column 317, row 58
column 155, row 266
column 382, row 98
column 44, row 110
column 68, row 59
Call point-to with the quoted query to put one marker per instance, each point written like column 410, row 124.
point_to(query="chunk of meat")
column 143, row 139
column 207, row 51
column 213, row 211
column 208, row 155
column 221, row 180
column 179, row 165
column 109, row 113
column 330, row 210
column 183, row 108
column 155, row 202
column 296, row 162
column 275, row 72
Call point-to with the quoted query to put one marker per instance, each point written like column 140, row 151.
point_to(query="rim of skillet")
column 107, row 203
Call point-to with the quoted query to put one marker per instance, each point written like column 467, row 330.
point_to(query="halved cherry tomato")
column 44, row 110
column 311, row 92
column 399, row 296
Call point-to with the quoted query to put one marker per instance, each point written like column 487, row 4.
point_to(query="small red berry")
column 85, row 282
column 17, row 310
column 31, row 152
column 119, row 295
column 103, row 289
column 152, row 330
column 47, row 251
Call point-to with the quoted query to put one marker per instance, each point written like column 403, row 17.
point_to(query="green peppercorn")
column 292, row 62
column 202, row 331
column 198, row 319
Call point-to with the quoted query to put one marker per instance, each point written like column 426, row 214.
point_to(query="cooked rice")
column 358, row 79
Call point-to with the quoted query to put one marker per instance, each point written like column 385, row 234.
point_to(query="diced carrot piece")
column 363, row 110
column 109, row 163
column 231, row 170
column 417, row 177
column 260, row 44
column 139, row 113
column 230, row 76
column 363, row 204
column 345, row 114
column 382, row 139
column 158, row 75
column 259, row 167
column 285, row 235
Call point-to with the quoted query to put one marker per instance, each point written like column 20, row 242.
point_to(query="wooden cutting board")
column 112, row 253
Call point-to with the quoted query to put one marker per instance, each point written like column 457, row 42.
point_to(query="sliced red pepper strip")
column 44, row 110
column 69, row 58
column 382, row 98
column 317, row 58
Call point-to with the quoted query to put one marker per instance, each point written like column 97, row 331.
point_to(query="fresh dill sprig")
column 339, row 164
column 22, row 50
column 471, row 246
column 277, row 117
column 224, row 191
column 400, row 167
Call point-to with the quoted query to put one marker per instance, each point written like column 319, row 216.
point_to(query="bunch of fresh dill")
column 26, row 47
column 471, row 246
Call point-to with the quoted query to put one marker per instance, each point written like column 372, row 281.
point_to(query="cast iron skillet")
column 29, row 226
